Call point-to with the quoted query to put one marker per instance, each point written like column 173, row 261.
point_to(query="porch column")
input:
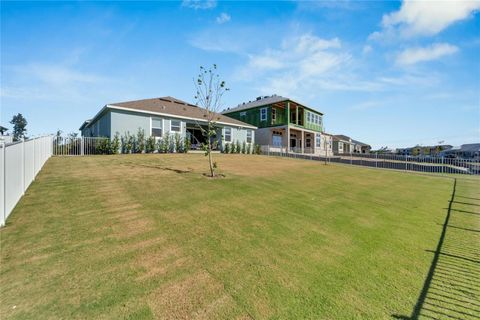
column 303, row 140
column 287, row 110
column 288, row 138
column 296, row 115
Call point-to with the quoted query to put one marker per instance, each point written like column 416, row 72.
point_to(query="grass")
column 148, row 236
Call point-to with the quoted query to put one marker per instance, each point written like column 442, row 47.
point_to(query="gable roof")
column 360, row 143
column 262, row 101
column 170, row 107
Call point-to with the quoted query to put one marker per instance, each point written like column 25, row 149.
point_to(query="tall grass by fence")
column 20, row 163
column 388, row 161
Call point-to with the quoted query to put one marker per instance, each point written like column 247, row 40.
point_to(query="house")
column 163, row 116
column 4, row 137
column 283, row 123
column 423, row 150
column 465, row 151
column 360, row 147
column 342, row 144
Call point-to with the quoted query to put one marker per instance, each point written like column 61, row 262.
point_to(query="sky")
column 396, row 73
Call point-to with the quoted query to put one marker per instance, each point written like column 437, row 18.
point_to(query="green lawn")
column 148, row 236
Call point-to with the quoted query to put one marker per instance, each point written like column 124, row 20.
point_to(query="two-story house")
column 284, row 123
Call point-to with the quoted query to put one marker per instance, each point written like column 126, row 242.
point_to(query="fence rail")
column 20, row 163
column 386, row 161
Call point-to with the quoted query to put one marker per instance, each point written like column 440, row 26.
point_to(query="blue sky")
column 387, row 73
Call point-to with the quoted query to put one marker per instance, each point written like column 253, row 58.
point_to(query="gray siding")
column 120, row 121
column 125, row 121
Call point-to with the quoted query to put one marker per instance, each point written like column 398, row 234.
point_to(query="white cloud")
column 367, row 49
column 199, row 4
column 425, row 18
column 50, row 82
column 414, row 55
column 223, row 18
column 301, row 62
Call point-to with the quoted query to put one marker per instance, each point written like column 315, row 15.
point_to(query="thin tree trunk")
column 210, row 161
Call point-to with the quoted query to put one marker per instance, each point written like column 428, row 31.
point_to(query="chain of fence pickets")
column 439, row 165
column 77, row 146
column 20, row 163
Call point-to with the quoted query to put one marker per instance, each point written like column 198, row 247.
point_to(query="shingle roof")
column 360, row 143
column 174, row 107
column 262, row 101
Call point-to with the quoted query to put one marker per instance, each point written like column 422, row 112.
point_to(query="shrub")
column 164, row 144
column 258, row 150
column 126, row 143
column 115, row 145
column 178, row 143
column 226, row 149
column 150, row 145
column 249, row 148
column 244, row 147
column 104, row 146
column 232, row 147
column 186, row 144
column 140, row 145
column 238, row 148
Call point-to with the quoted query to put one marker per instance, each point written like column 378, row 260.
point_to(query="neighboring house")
column 4, row 137
column 423, row 150
column 163, row 116
column 342, row 144
column 282, row 123
column 360, row 147
column 465, row 151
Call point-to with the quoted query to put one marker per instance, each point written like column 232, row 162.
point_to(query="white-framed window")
column 263, row 114
column 228, row 134
column 274, row 115
column 243, row 113
column 318, row 140
column 249, row 136
column 176, row 125
column 157, row 127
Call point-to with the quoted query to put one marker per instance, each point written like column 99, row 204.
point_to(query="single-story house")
column 163, row 116
column 360, row 147
column 342, row 144
column 465, row 151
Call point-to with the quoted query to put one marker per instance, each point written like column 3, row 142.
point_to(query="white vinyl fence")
column 20, row 163
column 78, row 146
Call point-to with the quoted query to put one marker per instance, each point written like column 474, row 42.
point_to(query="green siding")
column 252, row 116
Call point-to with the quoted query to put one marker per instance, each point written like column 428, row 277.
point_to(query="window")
column 249, row 136
column 274, row 115
column 277, row 140
column 263, row 114
column 157, row 128
column 228, row 134
column 175, row 126
column 243, row 114
column 318, row 140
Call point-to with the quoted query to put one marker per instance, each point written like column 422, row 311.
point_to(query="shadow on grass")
column 452, row 287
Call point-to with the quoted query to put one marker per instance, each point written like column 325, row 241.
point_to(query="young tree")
column 19, row 126
column 209, row 92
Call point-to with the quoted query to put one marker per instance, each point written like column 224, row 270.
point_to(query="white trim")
column 110, row 106
column 266, row 114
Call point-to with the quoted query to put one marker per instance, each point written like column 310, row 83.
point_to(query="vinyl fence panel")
column 20, row 162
